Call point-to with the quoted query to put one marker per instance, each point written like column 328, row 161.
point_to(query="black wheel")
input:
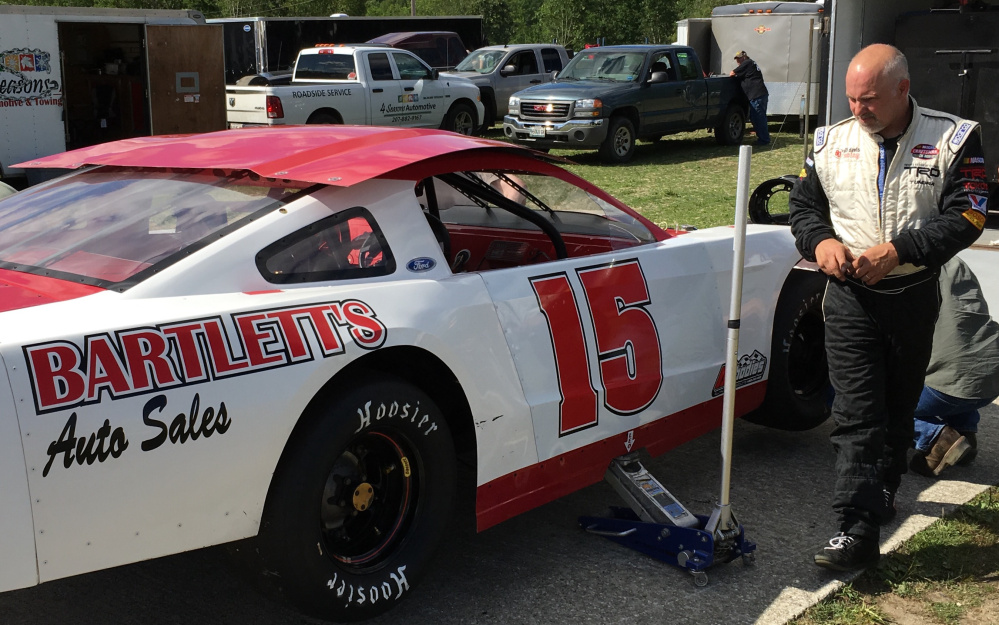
column 732, row 126
column 359, row 502
column 324, row 117
column 619, row 146
column 460, row 119
column 798, row 390
column 769, row 202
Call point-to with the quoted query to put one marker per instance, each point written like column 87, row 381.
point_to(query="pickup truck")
column 501, row 71
column 360, row 84
column 607, row 97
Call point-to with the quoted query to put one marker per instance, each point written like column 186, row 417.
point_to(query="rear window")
column 111, row 227
column 326, row 66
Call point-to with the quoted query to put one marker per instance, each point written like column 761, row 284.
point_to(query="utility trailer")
column 73, row 77
column 267, row 45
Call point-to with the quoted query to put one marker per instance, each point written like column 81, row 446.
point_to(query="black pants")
column 878, row 345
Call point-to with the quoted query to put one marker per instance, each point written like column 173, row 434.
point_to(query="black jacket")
column 751, row 78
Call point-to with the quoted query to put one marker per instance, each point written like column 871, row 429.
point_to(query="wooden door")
column 186, row 78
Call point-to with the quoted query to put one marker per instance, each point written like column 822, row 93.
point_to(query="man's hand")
column 834, row 259
column 875, row 263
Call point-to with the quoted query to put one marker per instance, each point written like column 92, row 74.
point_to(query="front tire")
column 460, row 119
column 798, row 390
column 732, row 126
column 619, row 146
column 360, row 500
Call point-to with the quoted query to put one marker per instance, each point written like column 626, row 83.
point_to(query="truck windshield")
column 595, row 64
column 482, row 61
column 108, row 225
column 325, row 66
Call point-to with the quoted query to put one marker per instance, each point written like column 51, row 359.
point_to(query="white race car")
column 287, row 336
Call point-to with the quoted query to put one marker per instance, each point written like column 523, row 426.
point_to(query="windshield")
column 106, row 225
column 481, row 61
column 595, row 64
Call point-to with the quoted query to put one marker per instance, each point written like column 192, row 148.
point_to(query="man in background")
column 751, row 80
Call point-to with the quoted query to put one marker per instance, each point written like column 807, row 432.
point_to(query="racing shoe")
column 847, row 552
column 972, row 438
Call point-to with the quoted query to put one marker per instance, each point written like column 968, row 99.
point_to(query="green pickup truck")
column 608, row 97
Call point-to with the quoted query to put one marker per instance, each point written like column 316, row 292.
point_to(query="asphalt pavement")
column 540, row 568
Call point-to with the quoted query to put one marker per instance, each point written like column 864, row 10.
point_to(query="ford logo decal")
column 419, row 265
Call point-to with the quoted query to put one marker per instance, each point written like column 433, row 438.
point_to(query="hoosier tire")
column 360, row 500
column 798, row 390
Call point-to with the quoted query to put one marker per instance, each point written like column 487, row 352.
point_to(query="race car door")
column 607, row 343
column 423, row 102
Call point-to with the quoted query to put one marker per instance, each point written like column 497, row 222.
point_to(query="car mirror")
column 658, row 77
column 435, row 74
column 554, row 74
column 508, row 69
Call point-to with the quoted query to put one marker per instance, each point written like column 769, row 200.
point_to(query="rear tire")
column 798, row 390
column 619, row 146
column 461, row 119
column 732, row 126
column 324, row 117
column 361, row 498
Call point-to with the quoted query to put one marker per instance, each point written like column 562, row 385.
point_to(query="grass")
column 947, row 574
column 686, row 178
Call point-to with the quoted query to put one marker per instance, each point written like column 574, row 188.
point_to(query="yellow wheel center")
column 363, row 495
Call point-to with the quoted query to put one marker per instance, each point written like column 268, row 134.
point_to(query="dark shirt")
column 751, row 78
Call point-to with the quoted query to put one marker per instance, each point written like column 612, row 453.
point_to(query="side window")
column 688, row 66
column 663, row 63
column 378, row 65
column 409, row 67
column 525, row 62
column 456, row 51
column 344, row 246
column 553, row 62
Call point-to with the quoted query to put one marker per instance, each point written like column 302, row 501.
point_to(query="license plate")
column 537, row 131
column 235, row 125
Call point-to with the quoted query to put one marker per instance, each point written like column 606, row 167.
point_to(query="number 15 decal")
column 628, row 355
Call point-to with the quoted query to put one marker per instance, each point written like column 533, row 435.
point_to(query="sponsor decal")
column 809, row 162
column 409, row 97
column 974, row 160
column 921, row 170
column 22, row 83
column 924, row 151
column 820, row 137
column 850, row 153
column 762, row 29
column 394, row 411
column 972, row 172
column 976, row 186
column 320, row 93
column 749, row 369
column 959, row 135
column 135, row 361
column 979, row 202
column 418, row 265
column 802, row 174
column 974, row 217
column 107, row 443
column 391, row 588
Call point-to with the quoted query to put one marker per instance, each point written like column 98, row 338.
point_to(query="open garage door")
column 186, row 78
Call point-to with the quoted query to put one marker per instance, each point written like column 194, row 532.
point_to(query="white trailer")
column 72, row 77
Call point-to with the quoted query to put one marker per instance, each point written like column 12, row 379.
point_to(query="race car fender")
column 17, row 541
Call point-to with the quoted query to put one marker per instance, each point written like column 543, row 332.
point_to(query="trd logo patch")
column 749, row 368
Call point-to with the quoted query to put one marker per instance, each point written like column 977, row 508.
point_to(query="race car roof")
column 331, row 155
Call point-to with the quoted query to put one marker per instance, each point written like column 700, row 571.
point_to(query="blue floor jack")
column 658, row 525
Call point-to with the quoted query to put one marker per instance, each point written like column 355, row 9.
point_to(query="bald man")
column 885, row 198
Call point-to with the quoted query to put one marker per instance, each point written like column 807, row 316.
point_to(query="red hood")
column 24, row 290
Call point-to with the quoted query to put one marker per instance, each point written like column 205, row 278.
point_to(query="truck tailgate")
column 247, row 105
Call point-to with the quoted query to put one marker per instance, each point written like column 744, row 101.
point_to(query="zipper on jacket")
column 882, row 170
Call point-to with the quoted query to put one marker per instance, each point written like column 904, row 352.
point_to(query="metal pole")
column 833, row 14
column 725, row 521
column 808, row 83
column 412, row 8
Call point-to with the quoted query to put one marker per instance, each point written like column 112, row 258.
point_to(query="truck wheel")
column 460, row 119
column 798, row 390
column 361, row 499
column 324, row 117
column 769, row 202
column 732, row 126
column 619, row 146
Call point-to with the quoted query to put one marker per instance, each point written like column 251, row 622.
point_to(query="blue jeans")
column 936, row 409
column 758, row 115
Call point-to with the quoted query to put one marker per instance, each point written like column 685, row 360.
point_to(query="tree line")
column 572, row 23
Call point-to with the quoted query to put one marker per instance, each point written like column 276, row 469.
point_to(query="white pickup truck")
column 372, row 85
